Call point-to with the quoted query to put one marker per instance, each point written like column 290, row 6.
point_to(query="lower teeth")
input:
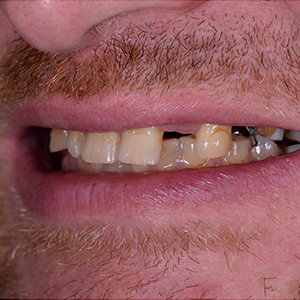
column 218, row 147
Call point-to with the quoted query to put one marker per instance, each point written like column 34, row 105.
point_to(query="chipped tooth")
column 141, row 146
column 169, row 155
column 291, row 148
column 265, row 148
column 189, row 153
column 275, row 134
column 75, row 142
column 293, row 135
column 115, row 167
column 139, row 168
column 213, row 141
column 101, row 147
column 58, row 140
column 239, row 151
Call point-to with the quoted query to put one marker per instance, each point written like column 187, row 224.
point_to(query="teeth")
column 95, row 168
column 115, row 167
column 189, row 153
column 265, row 148
column 213, row 140
column 239, row 151
column 75, row 142
column 139, row 168
column 169, row 154
column 141, row 146
column 292, row 148
column 101, row 147
column 293, row 135
column 275, row 134
column 58, row 140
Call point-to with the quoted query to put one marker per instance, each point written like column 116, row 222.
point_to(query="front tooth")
column 265, row 148
column 141, row 146
column 139, row 168
column 115, row 167
column 75, row 142
column 293, row 135
column 189, row 153
column 169, row 154
column 275, row 134
column 58, row 140
column 101, row 148
column 239, row 151
column 213, row 141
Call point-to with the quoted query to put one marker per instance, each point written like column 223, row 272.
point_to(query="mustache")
column 263, row 59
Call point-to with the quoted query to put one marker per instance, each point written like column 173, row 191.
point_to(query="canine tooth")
column 141, row 146
column 265, row 148
column 239, row 151
column 75, row 142
column 115, row 167
column 189, row 153
column 275, row 134
column 139, row 168
column 293, row 135
column 101, row 147
column 213, row 141
column 58, row 140
column 169, row 154
column 292, row 148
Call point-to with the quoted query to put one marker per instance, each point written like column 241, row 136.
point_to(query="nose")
column 51, row 25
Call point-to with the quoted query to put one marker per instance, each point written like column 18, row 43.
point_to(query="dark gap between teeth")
column 174, row 134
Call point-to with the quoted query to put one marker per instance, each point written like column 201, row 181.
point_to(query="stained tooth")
column 189, row 153
column 169, row 155
column 139, row 168
column 115, row 167
column 293, row 135
column 213, row 140
column 80, row 163
column 95, row 168
column 239, row 151
column 291, row 148
column 141, row 146
column 101, row 147
column 58, row 140
column 75, row 142
column 265, row 148
column 275, row 134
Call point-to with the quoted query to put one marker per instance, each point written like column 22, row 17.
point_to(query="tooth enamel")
column 265, row 148
column 169, row 155
column 292, row 148
column 293, row 135
column 95, row 168
column 75, row 142
column 213, row 141
column 80, row 163
column 58, row 140
column 189, row 153
column 115, row 167
column 101, row 147
column 139, row 168
column 275, row 134
column 239, row 151
column 141, row 146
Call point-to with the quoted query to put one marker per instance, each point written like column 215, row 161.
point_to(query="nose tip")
column 51, row 25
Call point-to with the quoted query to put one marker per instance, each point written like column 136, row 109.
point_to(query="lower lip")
column 160, row 197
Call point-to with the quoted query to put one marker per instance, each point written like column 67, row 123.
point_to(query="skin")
column 251, row 247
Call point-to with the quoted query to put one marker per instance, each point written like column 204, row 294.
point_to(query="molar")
column 265, row 148
column 58, row 140
column 213, row 141
column 275, row 134
column 101, row 148
column 75, row 142
column 141, row 146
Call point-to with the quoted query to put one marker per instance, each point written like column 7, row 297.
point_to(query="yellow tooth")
column 101, row 147
column 189, row 153
column 239, row 151
column 58, row 140
column 141, row 146
column 95, row 168
column 115, row 167
column 213, row 140
column 275, row 134
column 265, row 148
column 75, row 142
column 139, row 168
column 169, row 155
column 80, row 163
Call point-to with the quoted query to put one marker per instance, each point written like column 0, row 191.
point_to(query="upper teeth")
column 146, row 146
